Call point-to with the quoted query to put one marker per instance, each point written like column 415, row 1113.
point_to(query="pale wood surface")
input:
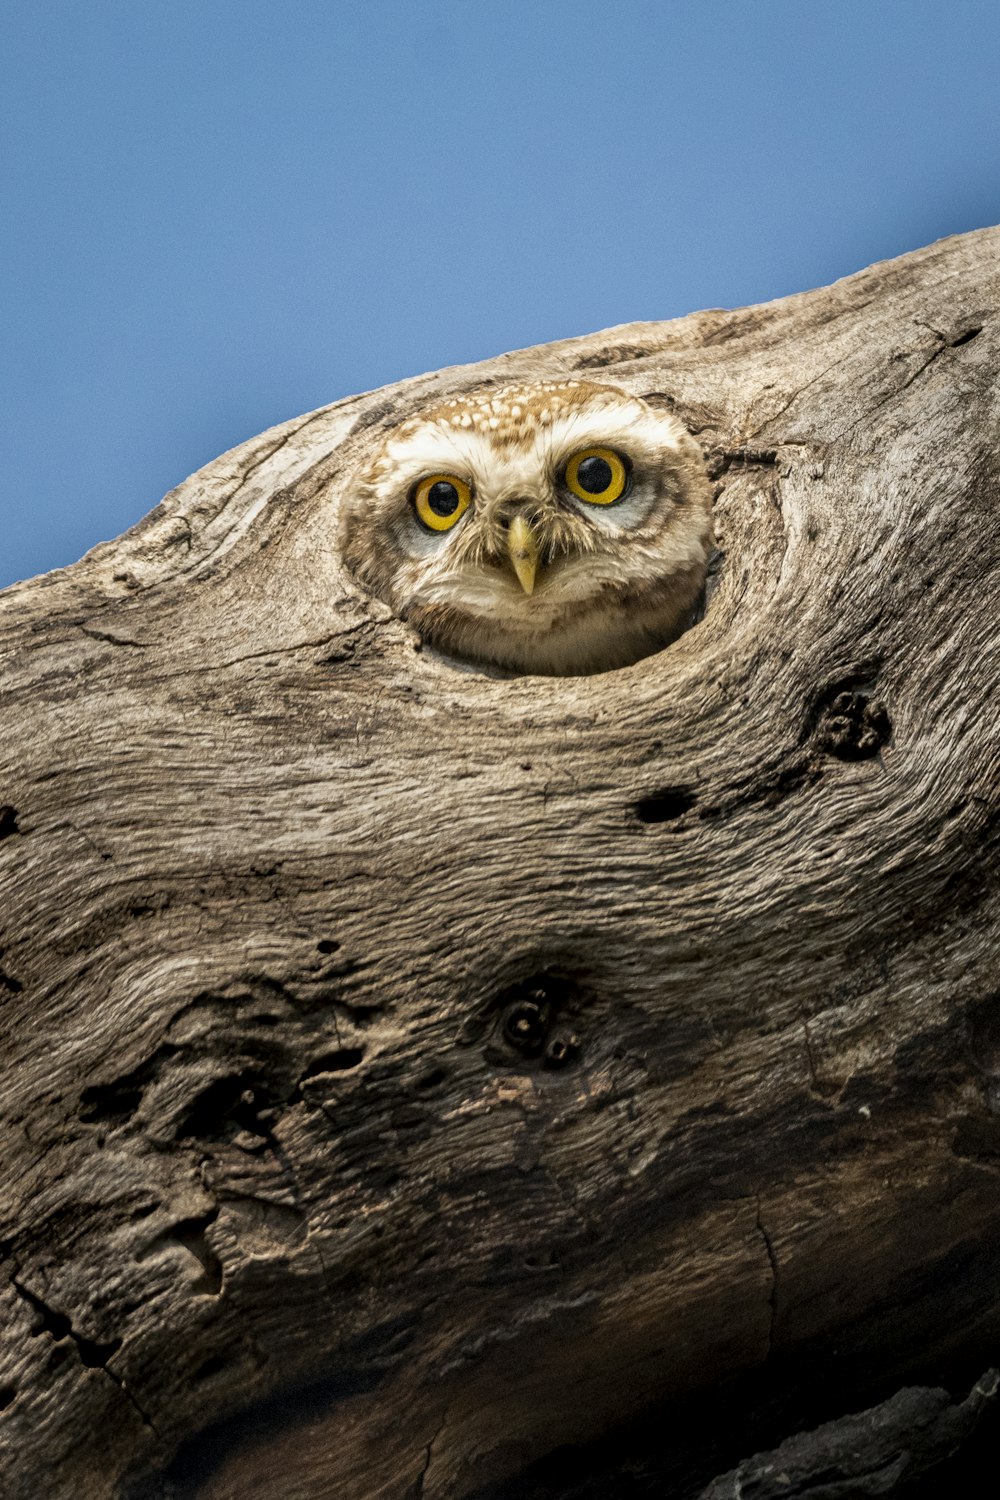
column 271, row 877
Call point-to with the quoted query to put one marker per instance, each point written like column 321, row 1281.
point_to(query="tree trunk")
column 290, row 1209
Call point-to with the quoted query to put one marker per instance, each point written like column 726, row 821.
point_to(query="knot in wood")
column 525, row 1024
column 563, row 1047
column 854, row 727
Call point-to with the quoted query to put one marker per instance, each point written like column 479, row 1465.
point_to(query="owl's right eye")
column 440, row 500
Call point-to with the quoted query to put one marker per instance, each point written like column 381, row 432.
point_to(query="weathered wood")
column 877, row 1452
column 272, row 878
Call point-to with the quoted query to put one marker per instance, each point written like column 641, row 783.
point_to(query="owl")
column 559, row 527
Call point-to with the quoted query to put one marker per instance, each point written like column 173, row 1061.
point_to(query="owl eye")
column 440, row 500
column 597, row 475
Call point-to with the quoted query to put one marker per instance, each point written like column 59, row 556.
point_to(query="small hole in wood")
column 853, row 725
column 225, row 1106
column 328, row 945
column 563, row 1047
column 665, row 806
column 8, row 982
column 525, row 1024
column 209, row 1368
column 109, row 1102
column 340, row 1061
column 94, row 1355
column 432, row 1079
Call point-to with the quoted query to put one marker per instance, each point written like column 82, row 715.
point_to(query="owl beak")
column 522, row 545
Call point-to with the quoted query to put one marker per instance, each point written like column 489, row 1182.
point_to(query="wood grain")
column 285, row 1211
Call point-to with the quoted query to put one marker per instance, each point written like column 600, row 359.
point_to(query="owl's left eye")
column 440, row 500
column 597, row 475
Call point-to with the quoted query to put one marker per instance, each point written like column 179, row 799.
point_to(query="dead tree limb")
column 286, row 1211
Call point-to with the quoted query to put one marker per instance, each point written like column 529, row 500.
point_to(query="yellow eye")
column 440, row 500
column 597, row 475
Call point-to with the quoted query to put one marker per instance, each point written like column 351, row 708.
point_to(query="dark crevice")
column 431, row 1080
column 966, row 337
column 534, row 1023
column 977, row 1139
column 885, row 1449
column 8, row 821
column 562, row 1048
column 116, row 1102
column 425, row 1465
column 666, row 805
column 109, row 1102
column 773, row 1293
column 95, row 1356
column 428, row 1455
column 8, row 983
column 237, row 1101
column 92, row 1354
column 341, row 1060
column 853, row 726
column 211, row 1367
column 48, row 1320
column 112, row 640
column 721, row 462
column 525, row 1023
column 345, row 646
column 7, row 1395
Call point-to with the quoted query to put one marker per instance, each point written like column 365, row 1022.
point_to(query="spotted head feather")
column 556, row 527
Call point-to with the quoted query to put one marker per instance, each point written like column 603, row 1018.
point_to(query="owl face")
column 551, row 528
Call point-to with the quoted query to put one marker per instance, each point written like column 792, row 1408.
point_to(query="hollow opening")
column 340, row 1061
column 652, row 604
column 94, row 1355
column 432, row 1079
column 666, row 805
column 227, row 1105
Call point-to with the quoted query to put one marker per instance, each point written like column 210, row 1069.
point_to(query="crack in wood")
column 93, row 1355
column 111, row 639
column 773, row 417
column 772, row 1260
column 428, row 1457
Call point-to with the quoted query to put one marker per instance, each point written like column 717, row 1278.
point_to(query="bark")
column 290, row 1207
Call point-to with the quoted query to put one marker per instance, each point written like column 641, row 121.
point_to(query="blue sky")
column 219, row 213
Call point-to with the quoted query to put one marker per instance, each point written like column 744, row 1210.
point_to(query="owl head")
column 558, row 527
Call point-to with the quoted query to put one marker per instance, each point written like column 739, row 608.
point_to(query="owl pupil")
column 594, row 475
column 442, row 498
